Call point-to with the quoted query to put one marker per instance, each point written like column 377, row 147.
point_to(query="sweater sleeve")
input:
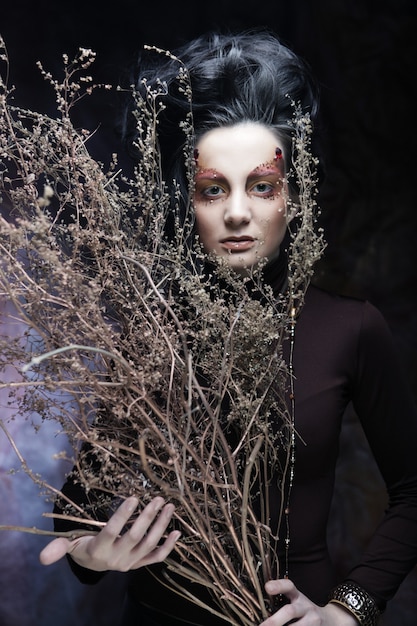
column 75, row 492
column 384, row 404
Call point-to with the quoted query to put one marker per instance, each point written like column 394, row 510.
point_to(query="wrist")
column 354, row 600
column 338, row 616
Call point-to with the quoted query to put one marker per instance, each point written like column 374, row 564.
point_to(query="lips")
column 237, row 244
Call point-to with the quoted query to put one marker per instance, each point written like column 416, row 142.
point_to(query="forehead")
column 243, row 146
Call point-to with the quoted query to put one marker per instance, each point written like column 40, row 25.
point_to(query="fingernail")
column 158, row 503
column 169, row 509
column 131, row 504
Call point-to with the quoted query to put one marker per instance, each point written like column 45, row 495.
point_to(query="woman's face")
column 240, row 192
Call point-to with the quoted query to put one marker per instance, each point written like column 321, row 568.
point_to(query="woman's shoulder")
column 325, row 302
column 329, row 309
column 318, row 295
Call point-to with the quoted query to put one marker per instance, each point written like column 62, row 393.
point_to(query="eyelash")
column 265, row 194
column 207, row 192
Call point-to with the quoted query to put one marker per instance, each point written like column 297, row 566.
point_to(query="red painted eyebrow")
column 209, row 174
column 260, row 170
column 265, row 170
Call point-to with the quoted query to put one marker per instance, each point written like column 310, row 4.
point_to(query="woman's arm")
column 388, row 414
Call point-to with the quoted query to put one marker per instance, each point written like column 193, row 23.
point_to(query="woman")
column 243, row 92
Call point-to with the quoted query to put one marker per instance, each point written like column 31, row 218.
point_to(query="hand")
column 109, row 550
column 302, row 610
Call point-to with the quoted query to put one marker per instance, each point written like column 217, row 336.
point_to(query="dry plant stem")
column 248, row 557
column 71, row 518
column 47, row 355
column 70, row 534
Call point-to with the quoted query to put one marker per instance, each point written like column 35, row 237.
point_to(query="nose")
column 237, row 209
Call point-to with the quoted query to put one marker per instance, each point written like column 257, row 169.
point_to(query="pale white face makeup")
column 239, row 197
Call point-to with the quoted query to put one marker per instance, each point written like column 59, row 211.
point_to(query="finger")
column 117, row 522
column 288, row 614
column 54, row 551
column 144, row 524
column 150, row 527
column 160, row 553
column 142, row 543
column 281, row 586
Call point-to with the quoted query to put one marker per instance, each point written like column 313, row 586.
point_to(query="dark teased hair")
column 250, row 76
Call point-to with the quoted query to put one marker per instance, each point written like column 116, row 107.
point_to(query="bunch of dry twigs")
column 175, row 373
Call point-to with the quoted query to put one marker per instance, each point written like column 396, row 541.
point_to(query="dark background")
column 364, row 54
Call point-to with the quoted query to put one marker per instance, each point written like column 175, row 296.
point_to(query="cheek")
column 204, row 225
column 274, row 227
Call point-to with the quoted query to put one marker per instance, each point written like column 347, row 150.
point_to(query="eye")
column 214, row 190
column 263, row 189
column 210, row 192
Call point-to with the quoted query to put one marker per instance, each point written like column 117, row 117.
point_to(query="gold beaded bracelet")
column 358, row 602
